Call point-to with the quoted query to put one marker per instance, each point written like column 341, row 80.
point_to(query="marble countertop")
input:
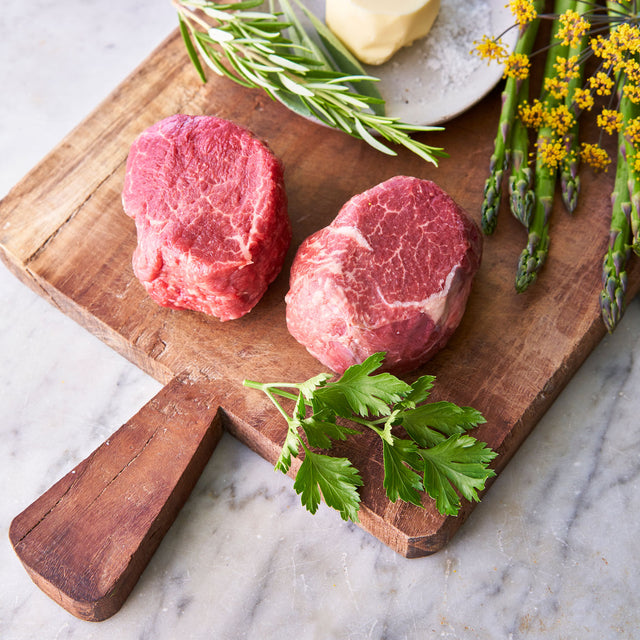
column 551, row 552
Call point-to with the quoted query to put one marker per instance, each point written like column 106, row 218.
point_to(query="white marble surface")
column 551, row 552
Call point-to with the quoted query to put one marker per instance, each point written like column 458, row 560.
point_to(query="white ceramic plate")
column 437, row 78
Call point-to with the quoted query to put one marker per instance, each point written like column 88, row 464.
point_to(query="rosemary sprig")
column 251, row 48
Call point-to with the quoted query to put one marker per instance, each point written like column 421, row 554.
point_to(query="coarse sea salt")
column 438, row 77
column 423, row 82
column 462, row 22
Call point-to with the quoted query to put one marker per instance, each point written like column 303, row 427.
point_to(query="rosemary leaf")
column 374, row 142
column 191, row 51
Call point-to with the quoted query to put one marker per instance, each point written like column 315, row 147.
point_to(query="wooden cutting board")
column 63, row 232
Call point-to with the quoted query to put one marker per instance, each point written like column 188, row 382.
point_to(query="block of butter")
column 373, row 30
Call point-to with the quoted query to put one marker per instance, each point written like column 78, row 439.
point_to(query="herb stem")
column 278, row 406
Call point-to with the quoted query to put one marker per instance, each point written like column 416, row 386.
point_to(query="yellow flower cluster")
column 601, row 83
column 551, row 152
column 609, row 120
column 631, row 91
column 532, row 115
column 566, row 69
column 559, row 118
column 517, row 66
column 523, row 11
column 619, row 55
column 556, row 87
column 573, row 27
column 632, row 131
column 595, row 156
column 618, row 48
column 632, row 70
column 490, row 49
column 583, row 99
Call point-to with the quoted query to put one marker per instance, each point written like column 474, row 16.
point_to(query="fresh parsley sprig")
column 315, row 77
column 434, row 454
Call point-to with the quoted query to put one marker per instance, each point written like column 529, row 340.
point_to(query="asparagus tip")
column 570, row 190
column 522, row 200
column 531, row 261
column 491, row 203
column 611, row 309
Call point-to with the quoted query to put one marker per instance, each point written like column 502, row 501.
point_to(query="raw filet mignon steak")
column 210, row 209
column 391, row 273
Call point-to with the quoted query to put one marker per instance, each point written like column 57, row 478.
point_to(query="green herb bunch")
column 306, row 69
column 425, row 447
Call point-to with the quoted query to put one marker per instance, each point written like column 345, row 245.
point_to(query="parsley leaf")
column 335, row 478
column 458, row 461
column 290, row 445
column 419, row 392
column 309, row 387
column 399, row 480
column 321, row 427
column 431, row 423
column 289, row 449
column 357, row 391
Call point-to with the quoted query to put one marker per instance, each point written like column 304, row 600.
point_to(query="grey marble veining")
column 551, row 552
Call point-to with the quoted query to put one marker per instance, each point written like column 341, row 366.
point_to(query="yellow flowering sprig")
column 611, row 35
column 578, row 27
column 573, row 26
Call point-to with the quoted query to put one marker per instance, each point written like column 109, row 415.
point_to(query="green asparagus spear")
column 569, row 178
column 499, row 162
column 614, row 276
column 499, row 159
column 534, row 254
column 634, row 194
column 631, row 112
column 521, row 196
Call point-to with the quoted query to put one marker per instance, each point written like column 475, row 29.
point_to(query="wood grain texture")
column 86, row 541
column 63, row 231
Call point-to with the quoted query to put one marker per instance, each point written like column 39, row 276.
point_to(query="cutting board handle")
column 86, row 541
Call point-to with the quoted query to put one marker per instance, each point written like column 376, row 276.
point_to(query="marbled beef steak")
column 210, row 209
column 391, row 273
